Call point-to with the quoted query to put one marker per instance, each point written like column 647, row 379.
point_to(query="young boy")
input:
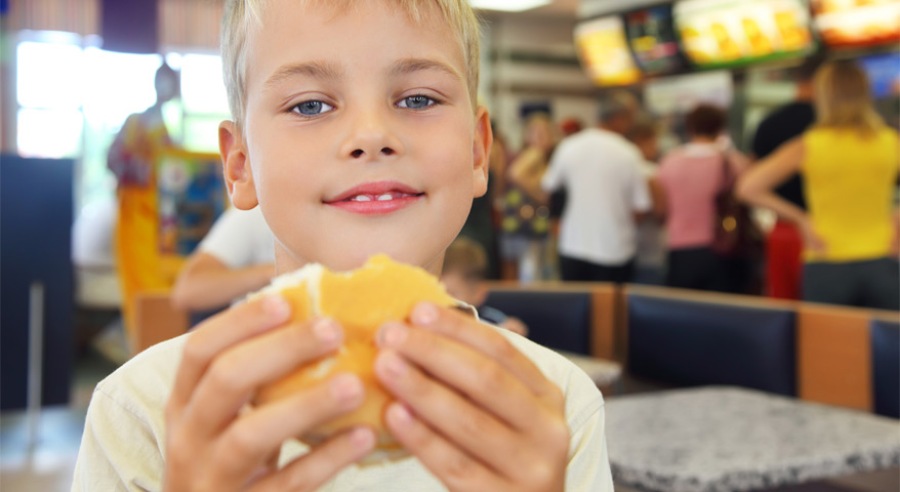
column 465, row 263
column 356, row 132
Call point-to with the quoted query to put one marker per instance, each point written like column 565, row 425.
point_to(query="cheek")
column 451, row 155
column 283, row 163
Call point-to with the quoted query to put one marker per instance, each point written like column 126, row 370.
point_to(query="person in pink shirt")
column 689, row 177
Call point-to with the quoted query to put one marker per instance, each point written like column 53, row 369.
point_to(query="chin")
column 412, row 251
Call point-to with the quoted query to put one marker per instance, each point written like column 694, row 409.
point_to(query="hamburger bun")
column 360, row 301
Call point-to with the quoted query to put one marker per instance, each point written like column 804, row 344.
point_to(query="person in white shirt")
column 236, row 257
column 607, row 192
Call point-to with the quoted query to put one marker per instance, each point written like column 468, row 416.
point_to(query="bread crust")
column 360, row 301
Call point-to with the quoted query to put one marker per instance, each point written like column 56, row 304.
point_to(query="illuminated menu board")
column 857, row 23
column 654, row 42
column 729, row 33
column 604, row 53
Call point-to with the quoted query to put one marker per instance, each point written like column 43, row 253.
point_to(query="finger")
column 250, row 440
column 471, row 373
column 235, row 376
column 458, row 326
column 482, row 376
column 220, row 332
column 456, row 469
column 319, row 465
column 452, row 415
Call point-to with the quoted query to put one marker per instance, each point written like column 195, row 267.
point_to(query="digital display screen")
column 729, row 33
column 857, row 23
column 653, row 40
column 604, row 53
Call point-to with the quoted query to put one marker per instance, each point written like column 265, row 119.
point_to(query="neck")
column 704, row 139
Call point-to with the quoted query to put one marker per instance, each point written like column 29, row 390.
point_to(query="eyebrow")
column 314, row 69
column 331, row 71
column 412, row 65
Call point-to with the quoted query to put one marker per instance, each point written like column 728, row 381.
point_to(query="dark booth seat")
column 885, row 339
column 559, row 320
column 688, row 340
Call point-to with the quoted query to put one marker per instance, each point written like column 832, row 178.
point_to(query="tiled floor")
column 48, row 464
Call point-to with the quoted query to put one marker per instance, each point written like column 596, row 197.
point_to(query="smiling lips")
column 376, row 198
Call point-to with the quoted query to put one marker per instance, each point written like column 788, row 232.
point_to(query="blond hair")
column 241, row 16
column 843, row 98
column 466, row 257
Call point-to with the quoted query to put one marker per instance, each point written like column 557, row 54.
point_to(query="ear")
column 481, row 151
column 236, row 166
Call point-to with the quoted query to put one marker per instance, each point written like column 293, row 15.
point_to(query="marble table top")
column 722, row 438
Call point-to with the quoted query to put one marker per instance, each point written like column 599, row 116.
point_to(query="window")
column 74, row 97
column 48, row 92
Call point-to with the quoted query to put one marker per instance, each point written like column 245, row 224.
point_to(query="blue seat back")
column 559, row 320
column 885, row 339
column 687, row 342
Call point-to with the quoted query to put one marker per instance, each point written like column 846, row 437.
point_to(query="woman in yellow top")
column 131, row 159
column 849, row 160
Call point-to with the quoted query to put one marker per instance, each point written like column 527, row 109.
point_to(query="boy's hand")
column 213, row 443
column 474, row 410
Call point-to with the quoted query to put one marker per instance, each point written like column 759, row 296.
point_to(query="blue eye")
column 312, row 108
column 417, row 102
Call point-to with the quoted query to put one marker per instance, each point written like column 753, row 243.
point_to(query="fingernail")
column 391, row 334
column 327, row 330
column 424, row 313
column 391, row 364
column 346, row 388
column 276, row 307
column 399, row 414
column 362, row 438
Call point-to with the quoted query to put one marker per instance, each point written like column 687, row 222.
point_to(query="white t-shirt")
column 601, row 172
column 124, row 434
column 240, row 238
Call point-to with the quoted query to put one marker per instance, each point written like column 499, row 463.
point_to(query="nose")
column 372, row 136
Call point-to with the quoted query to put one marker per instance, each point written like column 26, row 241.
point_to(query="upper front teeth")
column 368, row 198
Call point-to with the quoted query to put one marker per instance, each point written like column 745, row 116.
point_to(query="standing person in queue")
column 690, row 176
column 357, row 132
column 784, row 243
column 525, row 227
column 132, row 160
column 849, row 161
column 606, row 195
column 651, row 232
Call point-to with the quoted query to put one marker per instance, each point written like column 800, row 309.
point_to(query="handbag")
column 523, row 216
column 735, row 234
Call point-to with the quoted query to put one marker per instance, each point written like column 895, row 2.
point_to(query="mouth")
column 382, row 197
column 376, row 198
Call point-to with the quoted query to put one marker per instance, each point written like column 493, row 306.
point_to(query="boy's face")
column 360, row 135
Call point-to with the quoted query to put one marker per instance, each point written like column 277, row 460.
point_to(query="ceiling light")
column 508, row 5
